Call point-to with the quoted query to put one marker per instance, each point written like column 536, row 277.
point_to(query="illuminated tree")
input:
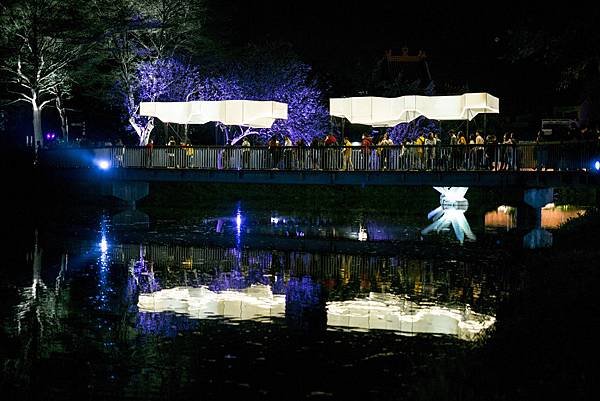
column 138, row 35
column 157, row 80
column 36, row 68
column 270, row 74
column 411, row 130
column 275, row 73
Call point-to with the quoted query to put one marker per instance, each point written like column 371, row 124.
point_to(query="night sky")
column 466, row 45
column 470, row 48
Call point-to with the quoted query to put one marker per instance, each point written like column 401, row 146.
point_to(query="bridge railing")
column 524, row 156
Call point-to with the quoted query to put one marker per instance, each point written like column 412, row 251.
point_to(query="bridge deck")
column 521, row 179
column 498, row 166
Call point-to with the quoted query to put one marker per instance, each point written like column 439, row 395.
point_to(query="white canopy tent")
column 250, row 113
column 374, row 111
column 388, row 112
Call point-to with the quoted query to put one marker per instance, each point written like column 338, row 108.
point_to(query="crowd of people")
column 424, row 152
column 427, row 151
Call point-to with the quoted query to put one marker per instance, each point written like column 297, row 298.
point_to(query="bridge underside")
column 505, row 179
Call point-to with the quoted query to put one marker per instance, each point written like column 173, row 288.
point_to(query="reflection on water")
column 359, row 291
column 392, row 312
column 134, row 307
column 382, row 311
column 352, row 226
column 552, row 216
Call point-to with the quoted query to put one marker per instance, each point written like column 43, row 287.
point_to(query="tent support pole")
column 484, row 123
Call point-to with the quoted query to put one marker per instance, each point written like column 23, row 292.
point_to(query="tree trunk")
column 64, row 123
column 37, row 126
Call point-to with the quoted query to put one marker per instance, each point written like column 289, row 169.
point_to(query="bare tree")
column 39, row 56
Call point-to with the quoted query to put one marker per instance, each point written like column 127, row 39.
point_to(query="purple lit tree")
column 158, row 80
column 222, row 87
column 412, row 129
column 141, row 38
column 275, row 73
column 258, row 77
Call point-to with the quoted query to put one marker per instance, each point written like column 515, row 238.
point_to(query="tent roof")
column 252, row 113
column 388, row 112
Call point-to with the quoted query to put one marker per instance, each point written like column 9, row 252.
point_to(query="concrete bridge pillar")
column 538, row 197
column 529, row 216
column 130, row 191
column 529, row 210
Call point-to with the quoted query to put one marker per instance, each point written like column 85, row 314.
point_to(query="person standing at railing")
column 330, row 155
column 490, row 152
column 314, row 153
column 366, row 143
column 462, row 150
column 479, row 150
column 226, row 154
column 471, row 152
column 300, row 154
column 148, row 153
column 420, row 142
column 514, row 151
column 453, row 149
column 187, row 154
column 406, row 154
column 506, row 152
column 541, row 153
column 347, row 155
column 440, row 158
column 384, row 145
column 274, row 152
column 245, row 153
column 287, row 152
column 430, row 151
column 119, row 152
column 171, row 152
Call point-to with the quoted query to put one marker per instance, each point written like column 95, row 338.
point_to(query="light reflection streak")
column 103, row 264
column 552, row 216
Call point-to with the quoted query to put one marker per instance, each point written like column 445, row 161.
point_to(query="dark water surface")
column 249, row 302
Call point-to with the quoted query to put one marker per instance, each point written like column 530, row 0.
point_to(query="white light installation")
column 451, row 213
column 249, row 113
column 389, row 112
column 378, row 311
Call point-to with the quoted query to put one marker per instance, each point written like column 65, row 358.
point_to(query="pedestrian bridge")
column 524, row 165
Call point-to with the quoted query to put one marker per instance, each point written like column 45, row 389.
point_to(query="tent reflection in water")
column 378, row 311
column 254, row 302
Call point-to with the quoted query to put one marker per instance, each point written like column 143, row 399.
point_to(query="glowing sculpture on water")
column 451, row 212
